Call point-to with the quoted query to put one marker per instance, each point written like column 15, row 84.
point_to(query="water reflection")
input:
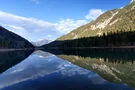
column 114, row 65
column 41, row 54
column 45, row 71
column 11, row 58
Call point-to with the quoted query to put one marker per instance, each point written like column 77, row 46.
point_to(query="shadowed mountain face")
column 114, row 65
column 11, row 58
column 11, row 40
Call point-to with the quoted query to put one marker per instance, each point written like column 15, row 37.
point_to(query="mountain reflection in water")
column 114, row 65
column 11, row 58
column 74, row 70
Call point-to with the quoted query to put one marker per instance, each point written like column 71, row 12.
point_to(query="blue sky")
column 50, row 19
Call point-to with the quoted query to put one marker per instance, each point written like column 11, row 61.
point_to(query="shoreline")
column 2, row 50
column 114, row 47
column 109, row 47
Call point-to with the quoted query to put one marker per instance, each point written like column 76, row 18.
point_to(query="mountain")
column 41, row 42
column 111, row 21
column 10, row 40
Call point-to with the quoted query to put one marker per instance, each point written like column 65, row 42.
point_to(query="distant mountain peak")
column 41, row 42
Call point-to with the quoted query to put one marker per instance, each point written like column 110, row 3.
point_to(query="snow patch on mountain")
column 41, row 42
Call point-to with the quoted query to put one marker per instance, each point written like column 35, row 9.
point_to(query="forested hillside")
column 11, row 40
column 116, row 39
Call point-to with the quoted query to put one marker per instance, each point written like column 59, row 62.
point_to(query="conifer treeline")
column 10, row 40
column 111, row 39
column 5, row 43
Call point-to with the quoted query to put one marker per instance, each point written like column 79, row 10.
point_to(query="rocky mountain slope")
column 11, row 40
column 111, row 21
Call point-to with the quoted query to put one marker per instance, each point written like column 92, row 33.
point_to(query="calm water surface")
column 67, row 71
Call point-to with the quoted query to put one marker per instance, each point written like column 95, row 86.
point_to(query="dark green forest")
column 111, row 39
column 9, row 40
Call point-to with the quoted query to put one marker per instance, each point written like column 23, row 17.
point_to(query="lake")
column 68, row 69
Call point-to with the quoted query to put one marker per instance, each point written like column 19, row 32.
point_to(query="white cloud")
column 34, row 29
column 68, row 24
column 15, row 29
column 94, row 13
column 30, row 28
column 36, row 1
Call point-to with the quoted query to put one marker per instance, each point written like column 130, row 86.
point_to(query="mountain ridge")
column 10, row 40
column 111, row 21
